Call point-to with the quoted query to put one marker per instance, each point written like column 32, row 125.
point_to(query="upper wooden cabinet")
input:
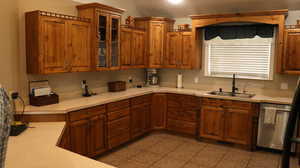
column 291, row 55
column 179, row 51
column 105, row 36
column 132, row 48
column 156, row 29
column 57, row 43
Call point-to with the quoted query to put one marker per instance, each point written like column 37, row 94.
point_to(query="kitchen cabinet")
column 87, row 130
column 56, row 43
column 182, row 112
column 179, row 50
column 158, row 111
column 105, row 36
column 132, row 48
column 118, row 123
column 229, row 121
column 140, row 115
column 291, row 55
column 156, row 29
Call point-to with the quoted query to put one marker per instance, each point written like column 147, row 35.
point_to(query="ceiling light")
column 175, row 1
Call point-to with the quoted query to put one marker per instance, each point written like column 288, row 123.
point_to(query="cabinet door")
column 54, row 32
column 79, row 132
column 138, row 49
column 211, row 125
column 79, row 46
column 237, row 126
column 126, row 47
column 158, row 111
column 292, row 50
column 187, row 54
column 102, row 41
column 156, row 45
column 138, row 120
column 114, row 59
column 98, row 135
column 173, row 50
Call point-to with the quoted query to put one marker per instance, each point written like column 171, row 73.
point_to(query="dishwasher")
column 271, row 134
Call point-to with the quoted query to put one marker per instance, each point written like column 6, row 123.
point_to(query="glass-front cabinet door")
column 115, row 42
column 108, row 35
column 102, row 42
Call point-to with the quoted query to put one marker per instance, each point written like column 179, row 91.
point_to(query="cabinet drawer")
column 190, row 101
column 119, row 140
column 117, row 105
column 86, row 113
column 181, row 114
column 146, row 99
column 118, row 114
column 238, row 104
column 211, row 102
column 181, row 127
column 116, row 128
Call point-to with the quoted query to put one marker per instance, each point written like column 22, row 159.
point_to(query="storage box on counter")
column 116, row 86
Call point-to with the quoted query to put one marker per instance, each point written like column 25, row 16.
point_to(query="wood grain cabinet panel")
column 188, row 58
column 79, row 132
column 173, row 50
column 139, row 120
column 236, row 126
column 97, row 135
column 79, row 46
column 211, row 122
column 55, row 44
column 292, row 51
column 155, row 45
column 132, row 48
column 158, row 111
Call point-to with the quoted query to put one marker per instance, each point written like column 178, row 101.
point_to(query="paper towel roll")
column 179, row 81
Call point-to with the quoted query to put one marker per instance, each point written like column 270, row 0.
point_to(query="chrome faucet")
column 234, row 89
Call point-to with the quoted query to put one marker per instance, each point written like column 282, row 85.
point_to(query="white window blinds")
column 248, row 58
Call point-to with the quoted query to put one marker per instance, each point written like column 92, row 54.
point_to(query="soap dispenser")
column 85, row 89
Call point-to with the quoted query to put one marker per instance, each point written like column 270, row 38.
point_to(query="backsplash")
column 68, row 85
column 269, row 88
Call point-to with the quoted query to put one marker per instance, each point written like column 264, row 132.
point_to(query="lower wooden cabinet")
column 211, row 125
column 158, row 111
column 87, row 131
column 230, row 121
column 182, row 112
column 140, row 115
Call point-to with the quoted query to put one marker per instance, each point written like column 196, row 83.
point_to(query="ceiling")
column 189, row 7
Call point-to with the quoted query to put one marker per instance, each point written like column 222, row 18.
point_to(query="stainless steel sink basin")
column 241, row 95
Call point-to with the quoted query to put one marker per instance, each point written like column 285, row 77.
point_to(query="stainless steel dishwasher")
column 272, row 135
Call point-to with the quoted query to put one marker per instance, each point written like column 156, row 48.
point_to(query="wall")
column 9, row 45
column 272, row 88
column 68, row 85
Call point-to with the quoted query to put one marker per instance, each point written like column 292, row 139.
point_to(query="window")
column 248, row 58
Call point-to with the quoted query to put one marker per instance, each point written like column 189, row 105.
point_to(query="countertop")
column 104, row 98
column 36, row 148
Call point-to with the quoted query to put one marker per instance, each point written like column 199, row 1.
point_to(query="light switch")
column 196, row 80
column 284, row 86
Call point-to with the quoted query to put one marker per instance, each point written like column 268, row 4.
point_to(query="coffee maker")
column 152, row 78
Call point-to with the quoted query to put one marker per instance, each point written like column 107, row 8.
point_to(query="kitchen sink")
column 241, row 95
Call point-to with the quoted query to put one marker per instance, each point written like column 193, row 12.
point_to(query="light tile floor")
column 170, row 151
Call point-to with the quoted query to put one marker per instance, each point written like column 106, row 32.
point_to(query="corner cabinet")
column 156, row 29
column 132, row 48
column 179, row 51
column 106, row 23
column 291, row 55
column 57, row 43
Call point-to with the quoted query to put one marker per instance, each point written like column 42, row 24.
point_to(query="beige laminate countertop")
column 104, row 98
column 36, row 148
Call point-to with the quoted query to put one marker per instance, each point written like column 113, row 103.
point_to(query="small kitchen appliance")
column 152, row 78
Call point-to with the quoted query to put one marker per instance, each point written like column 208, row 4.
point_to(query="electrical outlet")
column 284, row 86
column 196, row 80
column 130, row 79
column 14, row 95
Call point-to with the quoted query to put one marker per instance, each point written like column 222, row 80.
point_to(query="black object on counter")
column 43, row 100
column 16, row 130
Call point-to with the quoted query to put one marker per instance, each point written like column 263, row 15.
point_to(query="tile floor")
column 170, row 151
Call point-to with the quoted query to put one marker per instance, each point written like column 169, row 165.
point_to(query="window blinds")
column 250, row 59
